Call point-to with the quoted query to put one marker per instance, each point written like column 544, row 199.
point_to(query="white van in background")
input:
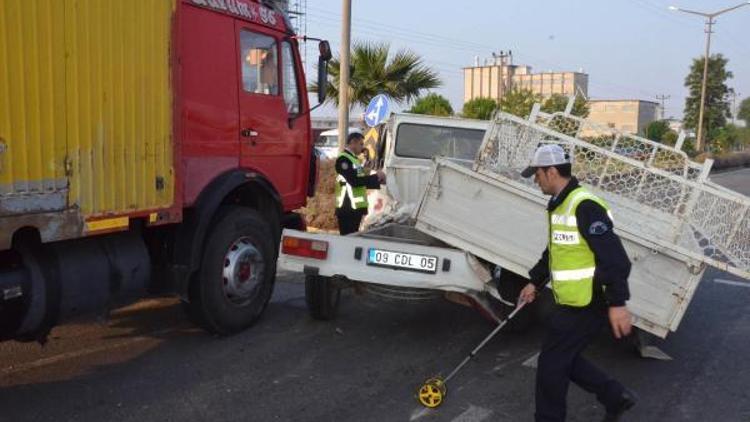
column 328, row 143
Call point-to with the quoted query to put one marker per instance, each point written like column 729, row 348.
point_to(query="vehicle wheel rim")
column 243, row 271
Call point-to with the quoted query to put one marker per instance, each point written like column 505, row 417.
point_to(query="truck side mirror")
column 322, row 79
column 325, row 50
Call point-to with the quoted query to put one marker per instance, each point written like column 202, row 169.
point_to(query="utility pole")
column 663, row 100
column 346, row 31
column 710, row 21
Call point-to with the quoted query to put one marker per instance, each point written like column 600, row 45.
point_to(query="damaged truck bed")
column 457, row 212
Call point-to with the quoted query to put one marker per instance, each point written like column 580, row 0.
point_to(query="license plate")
column 401, row 260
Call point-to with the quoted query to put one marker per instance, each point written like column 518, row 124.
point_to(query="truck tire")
column 237, row 273
column 322, row 297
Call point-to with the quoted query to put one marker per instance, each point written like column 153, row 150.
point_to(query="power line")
column 380, row 25
column 434, row 41
column 663, row 100
column 530, row 57
column 375, row 28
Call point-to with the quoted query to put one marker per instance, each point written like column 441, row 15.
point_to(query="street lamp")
column 709, row 25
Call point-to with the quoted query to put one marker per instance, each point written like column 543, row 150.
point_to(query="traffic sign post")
column 377, row 110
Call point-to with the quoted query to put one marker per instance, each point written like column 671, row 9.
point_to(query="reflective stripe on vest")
column 572, row 263
column 357, row 195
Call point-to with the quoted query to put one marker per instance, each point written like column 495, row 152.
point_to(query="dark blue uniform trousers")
column 569, row 331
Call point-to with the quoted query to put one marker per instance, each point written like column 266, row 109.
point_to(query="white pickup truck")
column 461, row 214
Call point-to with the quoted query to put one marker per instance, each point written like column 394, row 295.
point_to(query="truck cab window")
column 260, row 69
column 291, row 93
column 426, row 141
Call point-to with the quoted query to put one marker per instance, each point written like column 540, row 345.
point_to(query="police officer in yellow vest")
column 352, row 182
column 589, row 270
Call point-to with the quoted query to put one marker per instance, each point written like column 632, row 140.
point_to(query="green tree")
column 717, row 92
column 669, row 138
column 479, row 108
column 726, row 139
column 402, row 77
column 656, row 130
column 745, row 138
column 558, row 102
column 519, row 102
column 744, row 112
column 433, row 104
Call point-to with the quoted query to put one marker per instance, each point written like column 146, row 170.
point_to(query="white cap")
column 546, row 156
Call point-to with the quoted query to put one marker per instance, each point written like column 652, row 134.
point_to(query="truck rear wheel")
column 237, row 272
column 322, row 297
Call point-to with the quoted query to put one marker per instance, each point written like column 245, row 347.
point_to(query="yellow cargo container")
column 85, row 108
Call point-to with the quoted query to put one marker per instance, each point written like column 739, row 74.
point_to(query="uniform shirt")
column 344, row 168
column 612, row 263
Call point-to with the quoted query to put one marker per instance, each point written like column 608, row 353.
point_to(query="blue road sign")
column 377, row 110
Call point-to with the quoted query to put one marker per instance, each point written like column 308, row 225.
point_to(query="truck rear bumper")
column 348, row 256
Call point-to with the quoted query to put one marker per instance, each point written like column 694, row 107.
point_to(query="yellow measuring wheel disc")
column 431, row 393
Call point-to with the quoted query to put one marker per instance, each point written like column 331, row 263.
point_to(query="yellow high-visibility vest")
column 571, row 261
column 357, row 195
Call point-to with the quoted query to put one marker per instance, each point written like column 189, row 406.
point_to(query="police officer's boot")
column 627, row 402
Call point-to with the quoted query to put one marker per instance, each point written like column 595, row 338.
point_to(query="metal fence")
column 660, row 196
column 652, row 154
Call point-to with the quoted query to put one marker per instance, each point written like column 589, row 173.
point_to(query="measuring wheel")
column 432, row 392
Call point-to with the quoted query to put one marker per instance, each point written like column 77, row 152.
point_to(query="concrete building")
column 628, row 116
column 674, row 124
column 499, row 75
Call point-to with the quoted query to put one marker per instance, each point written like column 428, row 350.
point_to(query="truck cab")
column 244, row 102
column 407, row 149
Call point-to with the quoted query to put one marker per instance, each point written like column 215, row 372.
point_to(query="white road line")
column 83, row 352
column 419, row 412
column 732, row 283
column 532, row 361
column 473, row 414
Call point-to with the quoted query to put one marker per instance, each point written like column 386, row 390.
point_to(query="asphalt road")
column 147, row 363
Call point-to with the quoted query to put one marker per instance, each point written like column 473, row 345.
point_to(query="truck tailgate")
column 505, row 224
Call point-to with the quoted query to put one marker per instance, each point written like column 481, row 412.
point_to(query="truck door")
column 272, row 141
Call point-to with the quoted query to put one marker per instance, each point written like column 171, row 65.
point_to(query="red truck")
column 148, row 147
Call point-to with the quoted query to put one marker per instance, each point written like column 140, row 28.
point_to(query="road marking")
column 473, row 414
column 732, row 283
column 419, row 412
column 532, row 361
column 78, row 353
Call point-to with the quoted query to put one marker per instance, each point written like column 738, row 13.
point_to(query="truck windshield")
column 426, row 141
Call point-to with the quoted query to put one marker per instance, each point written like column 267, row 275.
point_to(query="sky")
column 634, row 49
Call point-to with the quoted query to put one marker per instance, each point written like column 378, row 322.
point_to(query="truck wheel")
column 322, row 297
column 238, row 269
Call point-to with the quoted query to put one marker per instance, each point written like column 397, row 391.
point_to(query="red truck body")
column 205, row 215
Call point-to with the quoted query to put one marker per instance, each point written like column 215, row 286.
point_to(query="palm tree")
column 402, row 78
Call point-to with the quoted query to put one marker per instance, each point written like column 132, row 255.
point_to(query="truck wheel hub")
column 243, row 272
